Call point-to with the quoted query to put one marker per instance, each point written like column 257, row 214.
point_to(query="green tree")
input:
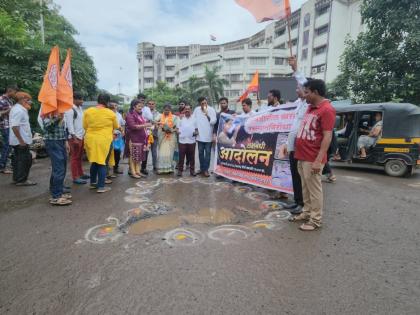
column 383, row 63
column 23, row 57
column 212, row 85
column 162, row 94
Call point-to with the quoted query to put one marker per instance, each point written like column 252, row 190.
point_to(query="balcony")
column 320, row 40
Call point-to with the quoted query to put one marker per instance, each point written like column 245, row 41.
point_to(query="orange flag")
column 253, row 87
column 48, row 93
column 65, row 86
column 265, row 10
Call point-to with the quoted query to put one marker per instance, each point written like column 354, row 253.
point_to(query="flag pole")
column 290, row 36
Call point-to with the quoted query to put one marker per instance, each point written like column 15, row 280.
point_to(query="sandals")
column 108, row 181
column 309, row 226
column 60, row 201
column 300, row 217
column 103, row 190
column 331, row 179
column 27, row 183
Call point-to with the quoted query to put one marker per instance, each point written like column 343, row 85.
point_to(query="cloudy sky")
column 110, row 30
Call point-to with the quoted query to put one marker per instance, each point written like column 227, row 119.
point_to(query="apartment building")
column 318, row 33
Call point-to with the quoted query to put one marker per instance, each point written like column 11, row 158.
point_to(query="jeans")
column 76, row 155
column 97, row 175
column 186, row 150
column 57, row 151
column 297, row 183
column 204, row 154
column 21, row 163
column 4, row 154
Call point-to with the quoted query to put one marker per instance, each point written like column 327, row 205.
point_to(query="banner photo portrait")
column 249, row 148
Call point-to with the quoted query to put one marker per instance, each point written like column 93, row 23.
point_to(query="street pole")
column 42, row 25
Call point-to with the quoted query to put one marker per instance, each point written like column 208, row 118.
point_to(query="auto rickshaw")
column 396, row 148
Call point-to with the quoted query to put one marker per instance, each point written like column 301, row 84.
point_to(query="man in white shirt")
column 188, row 131
column 205, row 117
column 301, row 107
column 20, row 137
column 74, row 123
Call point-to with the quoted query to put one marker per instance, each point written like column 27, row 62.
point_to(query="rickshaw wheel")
column 396, row 168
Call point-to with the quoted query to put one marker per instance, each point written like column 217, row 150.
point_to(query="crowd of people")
column 106, row 135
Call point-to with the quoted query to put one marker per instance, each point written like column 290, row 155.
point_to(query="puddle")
column 160, row 223
column 210, row 215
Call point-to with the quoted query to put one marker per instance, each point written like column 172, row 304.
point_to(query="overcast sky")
column 110, row 30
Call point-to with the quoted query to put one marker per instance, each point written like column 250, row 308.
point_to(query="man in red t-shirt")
column 312, row 143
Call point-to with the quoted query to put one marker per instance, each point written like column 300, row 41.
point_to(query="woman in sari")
column 167, row 140
column 136, row 138
column 99, row 122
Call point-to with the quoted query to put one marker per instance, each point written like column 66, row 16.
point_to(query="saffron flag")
column 265, row 10
column 253, row 87
column 65, row 86
column 48, row 94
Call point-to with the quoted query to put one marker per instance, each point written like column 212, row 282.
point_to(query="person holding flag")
column 56, row 97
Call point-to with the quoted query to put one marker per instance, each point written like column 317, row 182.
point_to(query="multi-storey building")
column 318, row 33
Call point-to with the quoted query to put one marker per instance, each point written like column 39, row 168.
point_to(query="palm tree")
column 212, row 84
column 193, row 88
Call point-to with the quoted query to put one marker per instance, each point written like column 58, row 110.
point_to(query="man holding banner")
column 312, row 142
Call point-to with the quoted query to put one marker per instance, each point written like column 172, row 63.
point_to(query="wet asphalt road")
column 365, row 260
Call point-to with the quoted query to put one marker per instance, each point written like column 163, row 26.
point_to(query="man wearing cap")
column 20, row 137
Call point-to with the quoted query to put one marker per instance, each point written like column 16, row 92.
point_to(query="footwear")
column 193, row 174
column 67, row 196
column 291, row 206
column 103, row 190
column 93, row 186
column 27, row 183
column 300, row 217
column 179, row 173
column 111, row 176
column 79, row 181
column 117, row 171
column 296, row 211
column 331, row 178
column 60, row 201
column 144, row 172
column 206, row 174
column 135, row 176
column 85, row 177
column 309, row 226
column 108, row 181
column 6, row 171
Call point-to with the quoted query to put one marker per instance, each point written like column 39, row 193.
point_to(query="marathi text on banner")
column 250, row 148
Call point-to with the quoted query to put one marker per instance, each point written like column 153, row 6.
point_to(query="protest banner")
column 249, row 148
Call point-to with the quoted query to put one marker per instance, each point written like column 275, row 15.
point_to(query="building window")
column 279, row 61
column 322, row 10
column 294, row 25
column 304, row 54
column 170, row 56
column 234, row 93
column 281, row 46
column 307, row 20
column 197, row 67
column 233, row 62
column 318, row 69
column 148, row 69
column 184, row 71
column 257, row 61
column 321, row 30
column 294, row 42
column 235, row 78
column 305, row 37
column 139, row 81
column 320, row 50
column 170, row 68
column 183, row 56
column 280, row 32
column 148, row 57
column 170, row 79
column 148, row 80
